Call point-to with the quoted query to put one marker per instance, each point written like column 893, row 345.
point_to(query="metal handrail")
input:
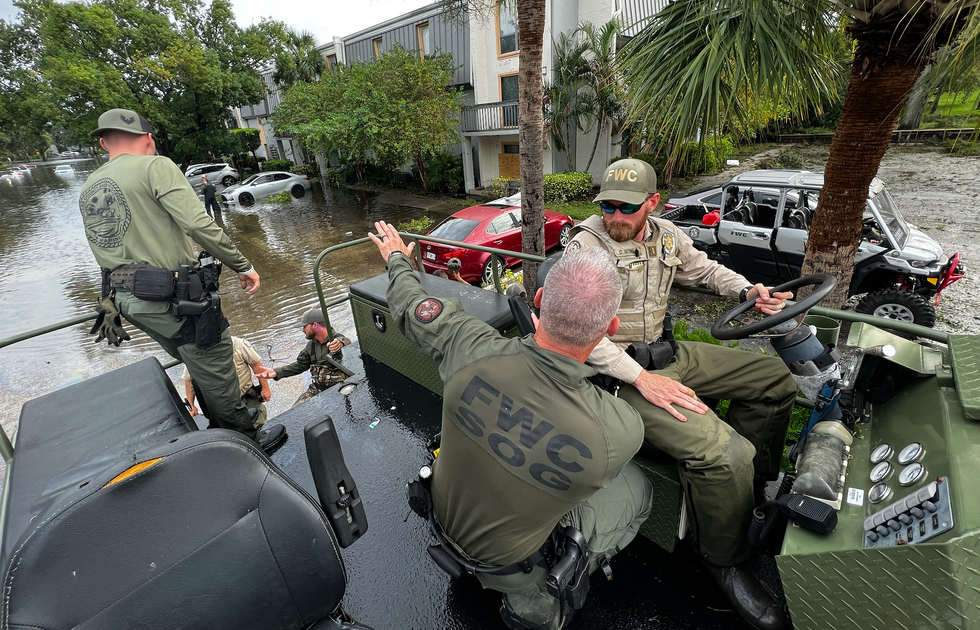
column 493, row 251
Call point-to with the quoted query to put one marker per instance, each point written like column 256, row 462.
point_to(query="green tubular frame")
column 7, row 449
column 407, row 236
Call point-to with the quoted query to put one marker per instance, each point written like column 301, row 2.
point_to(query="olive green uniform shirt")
column 525, row 437
column 140, row 209
column 314, row 352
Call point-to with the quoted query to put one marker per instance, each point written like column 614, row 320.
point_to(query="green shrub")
column 790, row 159
column 445, row 173
column 280, row 197
column 503, row 186
column 703, row 157
column 310, row 169
column 567, row 186
column 420, row 225
column 962, row 148
column 276, row 165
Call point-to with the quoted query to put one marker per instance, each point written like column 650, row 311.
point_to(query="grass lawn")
column 955, row 110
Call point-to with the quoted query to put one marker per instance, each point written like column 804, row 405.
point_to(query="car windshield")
column 250, row 180
column 894, row 221
column 454, row 228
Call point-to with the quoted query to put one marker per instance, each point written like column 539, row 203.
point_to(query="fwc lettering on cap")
column 628, row 180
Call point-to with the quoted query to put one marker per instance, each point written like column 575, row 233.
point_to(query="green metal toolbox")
column 380, row 338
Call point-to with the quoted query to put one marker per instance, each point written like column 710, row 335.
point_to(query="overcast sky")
column 326, row 19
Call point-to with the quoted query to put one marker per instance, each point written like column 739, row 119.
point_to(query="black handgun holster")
column 196, row 297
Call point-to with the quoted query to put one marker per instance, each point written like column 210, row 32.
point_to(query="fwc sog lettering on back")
column 530, row 446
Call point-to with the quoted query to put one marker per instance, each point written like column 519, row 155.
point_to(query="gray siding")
column 446, row 37
column 636, row 10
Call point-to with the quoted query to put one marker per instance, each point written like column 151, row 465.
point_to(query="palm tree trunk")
column 871, row 109
column 595, row 145
column 420, row 163
column 530, row 22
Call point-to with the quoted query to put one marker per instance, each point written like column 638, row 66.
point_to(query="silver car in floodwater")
column 262, row 185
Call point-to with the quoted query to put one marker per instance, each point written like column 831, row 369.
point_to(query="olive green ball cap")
column 122, row 120
column 629, row 181
column 313, row 316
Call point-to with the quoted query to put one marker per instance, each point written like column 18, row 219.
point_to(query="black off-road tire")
column 298, row 191
column 246, row 199
column 899, row 305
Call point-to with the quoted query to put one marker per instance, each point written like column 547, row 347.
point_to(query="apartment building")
column 486, row 52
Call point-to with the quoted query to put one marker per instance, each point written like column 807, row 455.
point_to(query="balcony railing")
column 490, row 116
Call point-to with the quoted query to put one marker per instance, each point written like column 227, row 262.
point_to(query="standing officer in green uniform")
column 724, row 463
column 315, row 357
column 528, row 443
column 140, row 214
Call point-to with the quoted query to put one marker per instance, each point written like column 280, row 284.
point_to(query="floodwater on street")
column 48, row 274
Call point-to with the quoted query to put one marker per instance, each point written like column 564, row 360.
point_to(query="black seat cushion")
column 487, row 306
column 68, row 437
column 211, row 535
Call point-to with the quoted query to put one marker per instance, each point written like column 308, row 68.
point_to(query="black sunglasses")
column 625, row 208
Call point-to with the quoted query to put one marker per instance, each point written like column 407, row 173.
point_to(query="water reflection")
column 47, row 274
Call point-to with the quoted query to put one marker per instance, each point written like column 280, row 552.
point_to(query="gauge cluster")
column 915, row 516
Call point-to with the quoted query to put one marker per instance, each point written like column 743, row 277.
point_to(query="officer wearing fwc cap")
column 315, row 357
column 724, row 462
column 140, row 215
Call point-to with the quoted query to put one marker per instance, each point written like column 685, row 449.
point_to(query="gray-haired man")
column 529, row 445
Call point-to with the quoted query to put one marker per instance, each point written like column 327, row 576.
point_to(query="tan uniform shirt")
column 244, row 356
column 140, row 209
column 647, row 268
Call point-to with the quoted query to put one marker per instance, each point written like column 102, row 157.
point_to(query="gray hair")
column 581, row 296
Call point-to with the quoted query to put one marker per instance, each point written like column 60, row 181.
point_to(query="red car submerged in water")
column 494, row 224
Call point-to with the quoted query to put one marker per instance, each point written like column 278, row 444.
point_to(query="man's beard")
column 621, row 231
column 311, row 334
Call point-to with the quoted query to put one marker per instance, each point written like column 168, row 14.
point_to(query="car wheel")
column 565, row 235
column 228, row 180
column 246, row 199
column 900, row 305
column 298, row 191
column 487, row 276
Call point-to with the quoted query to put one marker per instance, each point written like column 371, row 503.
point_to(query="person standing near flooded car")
column 140, row 215
column 725, row 463
column 534, row 459
column 210, row 197
column 320, row 357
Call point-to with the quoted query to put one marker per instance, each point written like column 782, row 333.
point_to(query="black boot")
column 750, row 599
column 270, row 438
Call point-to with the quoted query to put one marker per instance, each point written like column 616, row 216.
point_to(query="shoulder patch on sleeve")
column 428, row 310
column 573, row 246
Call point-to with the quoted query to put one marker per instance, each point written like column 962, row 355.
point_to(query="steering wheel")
column 824, row 285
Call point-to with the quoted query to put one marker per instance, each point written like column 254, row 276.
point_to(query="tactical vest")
column 647, row 270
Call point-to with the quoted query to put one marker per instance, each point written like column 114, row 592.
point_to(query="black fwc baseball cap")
column 122, row 120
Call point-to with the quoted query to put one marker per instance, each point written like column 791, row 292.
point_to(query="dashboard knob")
column 882, row 530
column 894, row 525
column 916, row 512
column 905, row 518
column 929, row 506
column 872, row 536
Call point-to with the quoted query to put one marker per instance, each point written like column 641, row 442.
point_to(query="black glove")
column 109, row 323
